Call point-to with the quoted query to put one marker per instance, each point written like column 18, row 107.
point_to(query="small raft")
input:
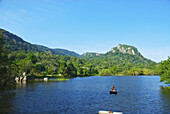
column 113, row 91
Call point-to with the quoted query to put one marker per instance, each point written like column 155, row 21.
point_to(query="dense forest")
column 45, row 63
column 37, row 60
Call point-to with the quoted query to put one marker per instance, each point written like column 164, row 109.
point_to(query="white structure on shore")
column 45, row 79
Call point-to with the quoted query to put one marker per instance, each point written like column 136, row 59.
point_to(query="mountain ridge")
column 121, row 49
column 12, row 40
column 120, row 60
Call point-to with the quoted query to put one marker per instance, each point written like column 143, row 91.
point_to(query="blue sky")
column 91, row 25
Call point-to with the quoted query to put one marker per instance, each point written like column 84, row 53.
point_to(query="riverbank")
column 46, row 78
column 49, row 80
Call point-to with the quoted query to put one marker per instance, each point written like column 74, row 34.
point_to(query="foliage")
column 45, row 63
column 6, row 77
column 61, row 79
column 163, row 69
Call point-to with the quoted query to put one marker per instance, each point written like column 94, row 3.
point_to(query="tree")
column 62, row 69
column 72, row 71
column 164, row 70
column 23, row 65
column 80, row 71
column 39, row 68
column 33, row 59
column 7, row 81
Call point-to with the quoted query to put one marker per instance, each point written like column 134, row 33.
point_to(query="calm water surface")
column 136, row 94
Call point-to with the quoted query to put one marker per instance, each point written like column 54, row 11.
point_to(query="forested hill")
column 119, row 50
column 15, row 43
column 122, row 58
column 126, row 53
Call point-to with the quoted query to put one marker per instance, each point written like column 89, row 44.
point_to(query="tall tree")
column 6, row 79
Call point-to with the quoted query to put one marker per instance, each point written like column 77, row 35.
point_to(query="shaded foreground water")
column 136, row 94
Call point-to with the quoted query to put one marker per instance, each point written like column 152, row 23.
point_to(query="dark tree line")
column 6, row 76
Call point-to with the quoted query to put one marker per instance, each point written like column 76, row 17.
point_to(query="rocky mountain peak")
column 125, row 49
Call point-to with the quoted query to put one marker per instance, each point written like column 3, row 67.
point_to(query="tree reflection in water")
column 165, row 96
column 21, row 85
column 5, row 101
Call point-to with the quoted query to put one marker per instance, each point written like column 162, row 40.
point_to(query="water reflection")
column 6, row 102
column 165, row 92
column 165, row 96
column 21, row 85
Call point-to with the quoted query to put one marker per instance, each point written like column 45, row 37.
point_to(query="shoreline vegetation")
column 49, row 65
column 61, row 78
column 49, row 80
column 45, row 63
column 57, row 76
column 67, row 77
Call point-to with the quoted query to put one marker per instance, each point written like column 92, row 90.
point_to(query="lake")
column 136, row 94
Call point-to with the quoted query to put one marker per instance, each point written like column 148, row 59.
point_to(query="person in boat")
column 113, row 87
column 110, row 111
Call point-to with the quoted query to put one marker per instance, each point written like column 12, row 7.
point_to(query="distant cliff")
column 126, row 49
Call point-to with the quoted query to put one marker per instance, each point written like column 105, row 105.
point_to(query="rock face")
column 121, row 48
column 126, row 49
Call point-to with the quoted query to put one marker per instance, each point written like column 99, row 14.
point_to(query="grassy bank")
column 49, row 80
column 60, row 79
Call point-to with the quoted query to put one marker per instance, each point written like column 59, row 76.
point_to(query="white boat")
column 107, row 112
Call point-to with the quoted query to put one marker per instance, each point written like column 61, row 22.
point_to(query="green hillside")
column 15, row 43
column 122, row 60
column 122, row 54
